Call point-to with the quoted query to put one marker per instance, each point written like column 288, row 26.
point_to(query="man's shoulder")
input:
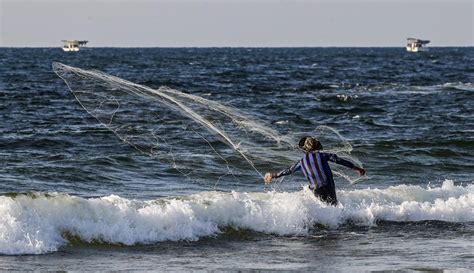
column 326, row 154
column 321, row 154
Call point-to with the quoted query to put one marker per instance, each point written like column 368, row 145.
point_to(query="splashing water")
column 158, row 122
column 37, row 223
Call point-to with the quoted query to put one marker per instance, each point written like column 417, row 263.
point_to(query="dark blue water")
column 72, row 190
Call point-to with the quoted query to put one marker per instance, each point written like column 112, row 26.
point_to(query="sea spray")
column 37, row 223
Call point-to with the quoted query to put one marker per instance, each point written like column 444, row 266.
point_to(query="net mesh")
column 199, row 138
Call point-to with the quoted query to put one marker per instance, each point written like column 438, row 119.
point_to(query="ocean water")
column 74, row 196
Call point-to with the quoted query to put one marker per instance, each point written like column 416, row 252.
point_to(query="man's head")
column 310, row 144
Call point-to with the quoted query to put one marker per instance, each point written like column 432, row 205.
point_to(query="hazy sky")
column 186, row 23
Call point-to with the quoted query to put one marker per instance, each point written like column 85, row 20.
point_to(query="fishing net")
column 199, row 138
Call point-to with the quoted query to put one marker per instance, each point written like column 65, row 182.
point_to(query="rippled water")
column 72, row 190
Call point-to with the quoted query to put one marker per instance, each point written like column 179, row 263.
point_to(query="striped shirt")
column 316, row 169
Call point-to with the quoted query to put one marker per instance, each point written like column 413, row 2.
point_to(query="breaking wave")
column 37, row 223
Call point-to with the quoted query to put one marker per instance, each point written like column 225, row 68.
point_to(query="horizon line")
column 243, row 46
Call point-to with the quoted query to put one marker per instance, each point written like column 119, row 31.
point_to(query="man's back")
column 315, row 167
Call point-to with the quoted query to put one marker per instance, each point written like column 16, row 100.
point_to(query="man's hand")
column 360, row 171
column 268, row 178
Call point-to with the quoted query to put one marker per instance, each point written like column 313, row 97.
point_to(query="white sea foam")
column 37, row 224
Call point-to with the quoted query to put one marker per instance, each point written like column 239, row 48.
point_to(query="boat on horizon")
column 415, row 45
column 73, row 45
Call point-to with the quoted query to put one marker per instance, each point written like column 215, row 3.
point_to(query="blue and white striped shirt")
column 315, row 168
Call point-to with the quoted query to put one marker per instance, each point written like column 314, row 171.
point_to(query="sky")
column 233, row 23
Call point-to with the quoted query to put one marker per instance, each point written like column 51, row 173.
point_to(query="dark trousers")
column 326, row 194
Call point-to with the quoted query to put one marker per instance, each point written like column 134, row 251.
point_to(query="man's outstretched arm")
column 334, row 158
column 269, row 176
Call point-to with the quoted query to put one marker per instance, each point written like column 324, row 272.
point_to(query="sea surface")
column 75, row 196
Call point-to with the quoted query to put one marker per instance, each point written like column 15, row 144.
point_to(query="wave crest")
column 40, row 223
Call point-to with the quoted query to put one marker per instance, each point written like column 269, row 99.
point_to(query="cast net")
column 199, row 138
